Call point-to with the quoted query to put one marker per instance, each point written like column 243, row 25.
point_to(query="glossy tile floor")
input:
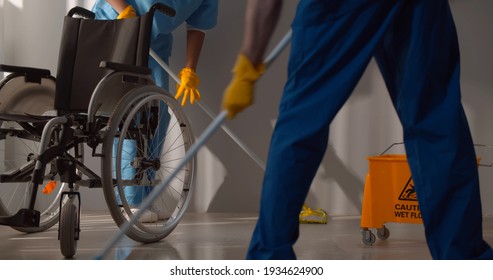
column 221, row 236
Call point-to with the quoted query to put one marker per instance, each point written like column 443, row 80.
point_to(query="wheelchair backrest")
column 87, row 42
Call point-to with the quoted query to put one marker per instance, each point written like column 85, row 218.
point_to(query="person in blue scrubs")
column 416, row 47
column 199, row 15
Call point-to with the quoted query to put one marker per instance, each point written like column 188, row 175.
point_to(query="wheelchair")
column 102, row 98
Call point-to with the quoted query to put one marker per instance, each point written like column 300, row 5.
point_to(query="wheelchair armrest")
column 32, row 74
column 125, row 67
column 24, row 70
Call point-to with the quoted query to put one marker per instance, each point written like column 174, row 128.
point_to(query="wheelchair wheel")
column 19, row 149
column 69, row 230
column 148, row 135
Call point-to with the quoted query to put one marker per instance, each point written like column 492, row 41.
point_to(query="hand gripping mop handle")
column 208, row 132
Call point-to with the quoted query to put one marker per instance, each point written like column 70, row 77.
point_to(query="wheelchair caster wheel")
column 68, row 230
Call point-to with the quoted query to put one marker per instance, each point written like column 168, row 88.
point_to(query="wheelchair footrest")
column 23, row 218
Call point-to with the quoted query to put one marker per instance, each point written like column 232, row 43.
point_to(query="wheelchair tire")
column 159, row 145
column 68, row 230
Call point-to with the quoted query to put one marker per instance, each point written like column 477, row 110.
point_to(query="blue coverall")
column 415, row 45
column 197, row 14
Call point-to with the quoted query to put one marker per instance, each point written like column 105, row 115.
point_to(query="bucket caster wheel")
column 367, row 237
column 383, row 233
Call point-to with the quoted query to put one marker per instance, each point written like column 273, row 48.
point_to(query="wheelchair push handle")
column 85, row 13
column 81, row 12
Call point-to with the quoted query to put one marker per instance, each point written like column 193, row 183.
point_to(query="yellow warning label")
column 410, row 209
column 408, row 193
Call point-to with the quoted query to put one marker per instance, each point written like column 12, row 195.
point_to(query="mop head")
column 312, row 216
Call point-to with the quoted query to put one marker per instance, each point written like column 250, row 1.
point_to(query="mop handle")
column 278, row 48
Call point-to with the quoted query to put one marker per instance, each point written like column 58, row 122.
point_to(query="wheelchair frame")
column 141, row 110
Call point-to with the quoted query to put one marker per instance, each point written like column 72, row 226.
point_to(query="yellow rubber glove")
column 188, row 87
column 239, row 94
column 128, row 12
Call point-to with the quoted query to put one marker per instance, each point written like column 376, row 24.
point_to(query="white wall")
column 474, row 22
column 1, row 31
column 228, row 179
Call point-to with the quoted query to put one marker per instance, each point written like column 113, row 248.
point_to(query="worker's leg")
column 156, row 143
column 136, row 194
column 133, row 195
column 420, row 63
column 331, row 47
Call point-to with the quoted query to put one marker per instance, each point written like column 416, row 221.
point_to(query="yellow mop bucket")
column 389, row 196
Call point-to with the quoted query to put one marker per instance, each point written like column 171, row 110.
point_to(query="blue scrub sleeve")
column 103, row 10
column 205, row 17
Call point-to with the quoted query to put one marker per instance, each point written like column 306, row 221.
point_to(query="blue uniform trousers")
column 416, row 48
